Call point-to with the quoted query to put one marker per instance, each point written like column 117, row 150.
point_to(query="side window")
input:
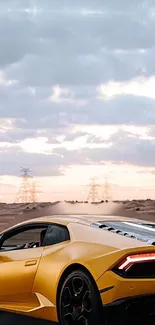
column 25, row 238
column 56, row 234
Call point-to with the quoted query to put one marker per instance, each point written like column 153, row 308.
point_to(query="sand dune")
column 11, row 214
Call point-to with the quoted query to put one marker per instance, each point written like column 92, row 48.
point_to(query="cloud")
column 127, row 150
column 141, row 86
column 72, row 48
column 39, row 112
column 42, row 165
column 6, row 83
column 76, row 83
column 60, row 95
column 16, row 135
column 132, row 146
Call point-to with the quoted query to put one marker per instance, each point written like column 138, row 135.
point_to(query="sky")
column 77, row 97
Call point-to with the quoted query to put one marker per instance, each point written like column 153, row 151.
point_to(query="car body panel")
column 18, row 270
column 120, row 288
column 32, row 290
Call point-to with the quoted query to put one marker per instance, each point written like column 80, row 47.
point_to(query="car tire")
column 79, row 300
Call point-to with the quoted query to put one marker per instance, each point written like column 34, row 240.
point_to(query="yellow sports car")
column 78, row 269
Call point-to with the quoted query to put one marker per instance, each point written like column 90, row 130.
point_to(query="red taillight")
column 133, row 259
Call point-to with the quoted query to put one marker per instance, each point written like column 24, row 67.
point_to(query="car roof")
column 95, row 221
column 85, row 219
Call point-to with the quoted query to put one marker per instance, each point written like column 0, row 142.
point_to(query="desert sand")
column 11, row 214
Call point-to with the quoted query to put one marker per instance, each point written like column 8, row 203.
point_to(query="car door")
column 18, row 268
column 56, row 238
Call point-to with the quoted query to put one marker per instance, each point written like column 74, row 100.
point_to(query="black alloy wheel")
column 79, row 301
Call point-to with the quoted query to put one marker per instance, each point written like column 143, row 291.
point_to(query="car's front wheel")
column 79, row 301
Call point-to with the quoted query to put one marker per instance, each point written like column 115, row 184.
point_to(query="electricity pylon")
column 93, row 192
column 33, row 192
column 26, row 193
column 106, row 191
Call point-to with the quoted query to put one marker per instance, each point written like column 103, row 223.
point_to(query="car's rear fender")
column 55, row 260
column 106, row 262
column 112, row 287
